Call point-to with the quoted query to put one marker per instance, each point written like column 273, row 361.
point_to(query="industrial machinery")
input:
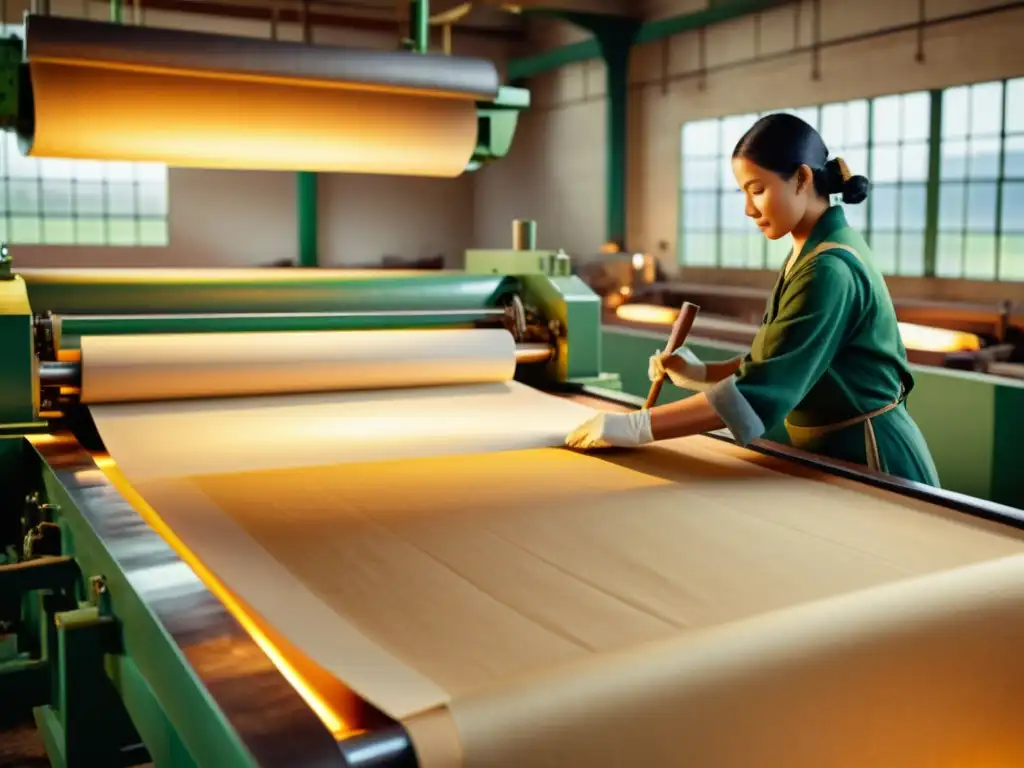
column 478, row 597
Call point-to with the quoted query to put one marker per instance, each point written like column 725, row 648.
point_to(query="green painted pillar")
column 116, row 13
column 615, row 37
column 419, row 25
column 616, row 56
column 309, row 249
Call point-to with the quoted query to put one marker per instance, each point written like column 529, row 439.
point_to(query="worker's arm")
column 798, row 347
column 816, row 308
column 687, row 371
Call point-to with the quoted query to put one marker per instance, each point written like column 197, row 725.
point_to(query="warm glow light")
column 651, row 314
column 611, row 247
column 638, row 261
column 927, row 339
column 921, row 338
column 323, row 709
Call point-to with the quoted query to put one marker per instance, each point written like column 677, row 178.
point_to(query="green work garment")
column 829, row 350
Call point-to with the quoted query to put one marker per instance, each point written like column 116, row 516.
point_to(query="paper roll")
column 60, row 38
column 179, row 366
column 84, row 110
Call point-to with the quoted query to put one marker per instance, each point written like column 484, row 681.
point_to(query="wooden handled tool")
column 680, row 330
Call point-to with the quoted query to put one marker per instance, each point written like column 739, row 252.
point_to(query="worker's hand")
column 683, row 368
column 612, row 430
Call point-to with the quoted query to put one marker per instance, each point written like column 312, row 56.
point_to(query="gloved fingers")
column 656, row 366
column 588, row 435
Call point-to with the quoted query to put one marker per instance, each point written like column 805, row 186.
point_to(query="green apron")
column 829, row 362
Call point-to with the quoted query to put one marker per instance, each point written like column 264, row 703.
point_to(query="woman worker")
column 828, row 358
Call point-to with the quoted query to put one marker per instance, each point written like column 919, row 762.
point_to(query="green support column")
column 116, row 11
column 616, row 57
column 306, row 183
column 309, row 250
column 419, row 25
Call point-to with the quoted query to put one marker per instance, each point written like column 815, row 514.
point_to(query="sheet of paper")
column 433, row 549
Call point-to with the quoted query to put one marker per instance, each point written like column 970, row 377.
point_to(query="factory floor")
column 21, row 747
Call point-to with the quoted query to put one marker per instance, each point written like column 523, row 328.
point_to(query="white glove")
column 612, row 430
column 693, row 373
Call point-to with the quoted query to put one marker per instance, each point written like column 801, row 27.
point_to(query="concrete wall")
column 243, row 218
column 754, row 63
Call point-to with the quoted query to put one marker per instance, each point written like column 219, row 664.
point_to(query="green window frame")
column 947, row 173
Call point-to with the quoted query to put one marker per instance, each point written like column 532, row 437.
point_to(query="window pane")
column 119, row 171
column 1011, row 258
column 980, row 261
column 735, row 249
column 91, row 231
column 700, row 139
column 914, row 163
column 700, row 174
column 90, row 199
column 913, row 202
column 833, row 124
column 1013, row 207
column 984, row 159
column 730, row 211
column 883, row 209
column 857, row 215
column 954, row 159
column 26, row 229
column 755, row 250
column 23, row 198
column 949, row 255
column 885, row 164
column 952, row 201
column 886, row 119
column 1015, row 106
column 911, row 254
column 152, row 198
column 986, row 109
column 883, row 246
column 981, row 208
column 122, row 231
column 700, row 211
column 699, row 249
column 777, row 251
column 954, row 113
column 733, row 129
column 916, row 116
column 59, row 231
column 153, row 232
column 54, row 168
column 121, row 199
column 857, row 159
column 857, row 122
column 57, row 198
column 1013, row 161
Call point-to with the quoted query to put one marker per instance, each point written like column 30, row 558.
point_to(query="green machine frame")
column 86, row 640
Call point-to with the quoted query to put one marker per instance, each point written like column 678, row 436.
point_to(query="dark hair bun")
column 855, row 190
column 838, row 180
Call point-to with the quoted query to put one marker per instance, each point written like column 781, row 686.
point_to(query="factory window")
column 49, row 201
column 897, row 207
column 972, row 118
column 974, row 180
